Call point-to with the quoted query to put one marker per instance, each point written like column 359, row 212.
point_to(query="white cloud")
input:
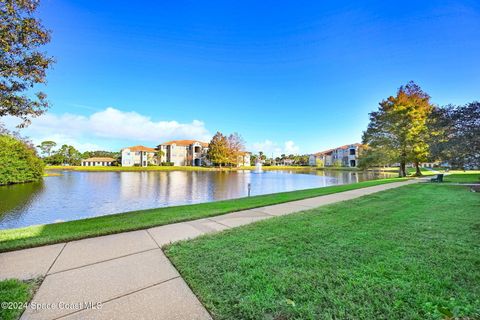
column 291, row 148
column 109, row 126
column 269, row 147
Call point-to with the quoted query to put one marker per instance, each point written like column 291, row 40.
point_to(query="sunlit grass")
column 457, row 176
column 405, row 253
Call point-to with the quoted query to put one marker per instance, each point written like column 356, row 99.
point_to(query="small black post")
column 249, row 188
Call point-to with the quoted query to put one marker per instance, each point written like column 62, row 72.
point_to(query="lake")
column 76, row 195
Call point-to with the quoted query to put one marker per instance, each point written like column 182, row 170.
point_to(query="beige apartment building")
column 184, row 152
column 176, row 152
column 344, row 156
column 243, row 159
column 138, row 156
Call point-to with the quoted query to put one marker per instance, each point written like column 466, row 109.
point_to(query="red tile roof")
column 184, row 143
column 342, row 147
column 140, row 148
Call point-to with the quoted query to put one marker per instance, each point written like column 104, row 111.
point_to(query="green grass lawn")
column 12, row 239
column 424, row 171
column 16, row 292
column 410, row 171
column 463, row 177
column 405, row 253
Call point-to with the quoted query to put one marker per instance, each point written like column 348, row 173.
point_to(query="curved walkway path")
column 126, row 275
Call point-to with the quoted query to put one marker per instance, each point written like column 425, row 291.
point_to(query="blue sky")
column 289, row 76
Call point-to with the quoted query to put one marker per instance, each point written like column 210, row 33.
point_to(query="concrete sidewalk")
column 127, row 273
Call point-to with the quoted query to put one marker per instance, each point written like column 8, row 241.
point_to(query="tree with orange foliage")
column 400, row 127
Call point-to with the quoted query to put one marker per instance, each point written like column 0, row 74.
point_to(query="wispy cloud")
column 108, row 127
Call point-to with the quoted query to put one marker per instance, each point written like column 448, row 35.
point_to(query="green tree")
column 55, row 159
column 46, row 147
column 253, row 159
column 68, row 155
column 19, row 161
column 218, row 150
column 23, row 65
column 302, row 160
column 319, row 163
column 400, row 126
column 337, row 164
column 378, row 157
column 457, row 135
column 466, row 139
column 262, row 156
column 100, row 153
column 160, row 155
column 442, row 125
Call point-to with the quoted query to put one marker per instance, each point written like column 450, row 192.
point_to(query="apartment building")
column 243, row 159
column 344, row 156
column 139, row 156
column 184, row 152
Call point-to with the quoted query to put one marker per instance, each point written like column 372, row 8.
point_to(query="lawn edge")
column 32, row 242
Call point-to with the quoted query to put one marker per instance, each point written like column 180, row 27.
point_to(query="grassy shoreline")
column 405, row 253
column 13, row 239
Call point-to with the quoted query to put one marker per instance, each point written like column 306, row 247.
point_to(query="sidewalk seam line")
column 151, row 236
column 219, row 222
column 97, row 262
column 262, row 212
column 56, row 258
column 211, row 219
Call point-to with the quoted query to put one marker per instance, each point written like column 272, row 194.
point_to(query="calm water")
column 76, row 195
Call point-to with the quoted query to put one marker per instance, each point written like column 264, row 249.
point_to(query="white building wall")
column 137, row 158
column 127, row 158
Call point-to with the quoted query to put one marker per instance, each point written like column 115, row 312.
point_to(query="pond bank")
column 12, row 239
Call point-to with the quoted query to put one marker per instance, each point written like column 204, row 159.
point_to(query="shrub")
column 337, row 164
column 18, row 161
column 319, row 163
column 167, row 164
